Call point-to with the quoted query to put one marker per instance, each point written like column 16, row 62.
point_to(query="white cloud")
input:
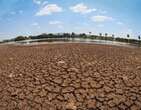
column 100, row 25
column 35, row 24
column 49, row 9
column 45, row 3
column 20, row 11
column 103, row 11
column 38, row 2
column 82, row 8
column 55, row 22
column 16, row 12
column 13, row 13
column 100, row 18
column 58, row 24
column 119, row 23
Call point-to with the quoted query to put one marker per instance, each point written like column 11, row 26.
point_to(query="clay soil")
column 70, row 77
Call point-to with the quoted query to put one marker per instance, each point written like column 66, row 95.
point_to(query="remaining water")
column 71, row 40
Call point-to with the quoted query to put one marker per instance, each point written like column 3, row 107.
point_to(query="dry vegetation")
column 70, row 77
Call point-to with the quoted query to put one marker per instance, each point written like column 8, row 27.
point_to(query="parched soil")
column 70, row 77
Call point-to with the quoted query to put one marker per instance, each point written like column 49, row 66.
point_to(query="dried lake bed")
column 70, row 76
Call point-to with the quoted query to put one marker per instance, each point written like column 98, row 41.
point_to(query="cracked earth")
column 70, row 77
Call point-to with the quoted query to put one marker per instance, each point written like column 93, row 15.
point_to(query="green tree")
column 83, row 35
column 73, row 35
column 128, row 36
column 106, row 34
column 90, row 33
column 139, row 37
column 100, row 34
column 20, row 38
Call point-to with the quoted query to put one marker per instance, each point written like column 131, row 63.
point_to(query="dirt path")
column 70, row 77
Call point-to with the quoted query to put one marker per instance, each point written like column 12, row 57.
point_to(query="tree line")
column 82, row 35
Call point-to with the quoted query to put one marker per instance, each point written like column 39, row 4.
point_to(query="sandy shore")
column 70, row 77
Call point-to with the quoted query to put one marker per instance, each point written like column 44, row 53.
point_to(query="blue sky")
column 32, row 17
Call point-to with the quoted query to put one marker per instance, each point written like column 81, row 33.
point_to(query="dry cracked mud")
column 70, row 77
